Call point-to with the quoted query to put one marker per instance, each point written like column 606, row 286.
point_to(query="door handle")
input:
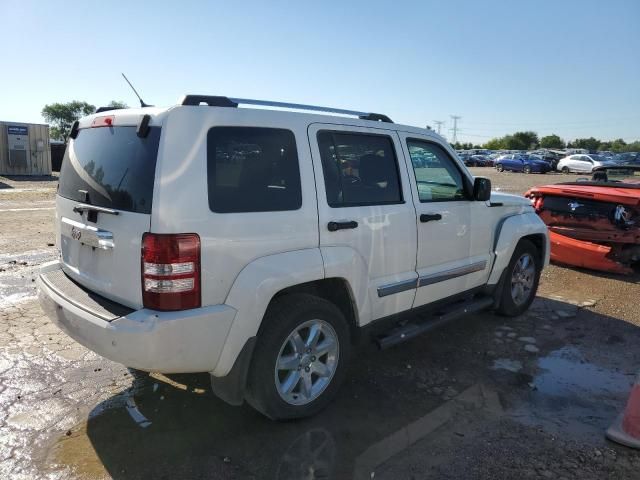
column 430, row 217
column 335, row 226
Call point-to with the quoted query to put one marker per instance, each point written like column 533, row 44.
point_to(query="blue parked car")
column 522, row 163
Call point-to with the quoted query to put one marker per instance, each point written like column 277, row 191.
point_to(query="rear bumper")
column 168, row 342
column 569, row 251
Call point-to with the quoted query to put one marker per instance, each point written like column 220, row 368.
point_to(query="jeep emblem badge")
column 75, row 233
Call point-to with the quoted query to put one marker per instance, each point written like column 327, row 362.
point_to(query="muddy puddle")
column 18, row 274
column 185, row 430
column 572, row 396
column 566, row 372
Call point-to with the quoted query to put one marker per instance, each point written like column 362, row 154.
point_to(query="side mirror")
column 481, row 189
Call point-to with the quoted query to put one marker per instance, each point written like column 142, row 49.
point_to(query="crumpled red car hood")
column 624, row 196
column 605, row 237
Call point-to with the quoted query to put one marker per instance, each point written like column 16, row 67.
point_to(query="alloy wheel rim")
column 306, row 362
column 522, row 279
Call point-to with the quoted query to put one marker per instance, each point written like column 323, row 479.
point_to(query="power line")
column 454, row 137
column 439, row 124
column 551, row 124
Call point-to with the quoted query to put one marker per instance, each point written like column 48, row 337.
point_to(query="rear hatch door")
column 104, row 205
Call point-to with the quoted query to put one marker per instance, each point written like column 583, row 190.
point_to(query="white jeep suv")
column 257, row 244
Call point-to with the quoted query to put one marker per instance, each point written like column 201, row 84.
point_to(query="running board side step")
column 411, row 330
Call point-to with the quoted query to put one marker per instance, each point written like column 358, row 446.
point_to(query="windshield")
column 111, row 167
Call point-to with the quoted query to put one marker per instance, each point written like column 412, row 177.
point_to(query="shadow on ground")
column 29, row 178
column 425, row 408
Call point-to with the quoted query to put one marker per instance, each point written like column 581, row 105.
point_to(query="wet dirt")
column 18, row 274
column 27, row 209
column 392, row 419
column 485, row 397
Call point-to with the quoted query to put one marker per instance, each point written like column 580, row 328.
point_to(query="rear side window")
column 252, row 169
column 359, row 169
column 111, row 167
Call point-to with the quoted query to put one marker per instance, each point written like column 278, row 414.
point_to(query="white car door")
column 588, row 163
column 454, row 236
column 583, row 165
column 365, row 212
column 574, row 163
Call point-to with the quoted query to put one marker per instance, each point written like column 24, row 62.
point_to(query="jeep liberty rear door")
column 103, row 207
column 366, row 213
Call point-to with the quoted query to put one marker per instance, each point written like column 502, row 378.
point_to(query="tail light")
column 171, row 271
column 105, row 121
column 537, row 203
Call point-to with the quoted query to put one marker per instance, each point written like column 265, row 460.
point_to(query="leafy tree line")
column 62, row 115
column 531, row 141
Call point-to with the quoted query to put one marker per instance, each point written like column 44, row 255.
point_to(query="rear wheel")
column 565, row 170
column 527, row 169
column 521, row 281
column 300, row 359
column 500, row 167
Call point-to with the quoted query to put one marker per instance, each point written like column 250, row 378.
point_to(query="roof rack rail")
column 217, row 101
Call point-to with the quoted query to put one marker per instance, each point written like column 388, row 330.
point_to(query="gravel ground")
column 484, row 397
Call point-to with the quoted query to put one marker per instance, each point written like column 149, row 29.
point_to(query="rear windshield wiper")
column 83, row 207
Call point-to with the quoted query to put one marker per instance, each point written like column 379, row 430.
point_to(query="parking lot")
column 484, row 397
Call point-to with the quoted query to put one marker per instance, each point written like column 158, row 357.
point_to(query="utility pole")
column 455, row 119
column 438, row 124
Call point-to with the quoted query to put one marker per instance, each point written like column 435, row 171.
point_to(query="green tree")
column 551, row 141
column 462, row 146
column 632, row 147
column 62, row 115
column 117, row 104
column 619, row 145
column 521, row 141
column 590, row 143
column 604, row 146
column 494, row 144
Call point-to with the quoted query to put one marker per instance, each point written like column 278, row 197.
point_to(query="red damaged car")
column 594, row 222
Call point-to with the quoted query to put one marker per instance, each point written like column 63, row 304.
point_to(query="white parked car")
column 259, row 245
column 581, row 163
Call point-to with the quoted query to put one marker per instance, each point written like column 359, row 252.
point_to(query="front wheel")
column 565, row 170
column 527, row 169
column 500, row 168
column 300, row 359
column 521, row 282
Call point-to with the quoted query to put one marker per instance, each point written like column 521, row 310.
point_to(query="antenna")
column 142, row 104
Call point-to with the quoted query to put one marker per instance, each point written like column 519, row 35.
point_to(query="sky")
column 569, row 67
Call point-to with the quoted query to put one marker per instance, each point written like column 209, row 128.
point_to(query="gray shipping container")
column 24, row 149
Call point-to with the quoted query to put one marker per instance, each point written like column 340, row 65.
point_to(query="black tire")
column 526, row 169
column 500, row 167
column 565, row 170
column 283, row 316
column 507, row 305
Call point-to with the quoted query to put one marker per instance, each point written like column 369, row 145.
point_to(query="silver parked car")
column 582, row 163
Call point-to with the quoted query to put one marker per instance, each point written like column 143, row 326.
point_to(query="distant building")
column 24, row 149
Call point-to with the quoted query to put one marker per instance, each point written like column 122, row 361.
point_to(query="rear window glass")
column 114, row 166
column 359, row 169
column 252, row 169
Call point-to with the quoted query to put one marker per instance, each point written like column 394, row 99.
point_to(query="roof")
column 310, row 113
